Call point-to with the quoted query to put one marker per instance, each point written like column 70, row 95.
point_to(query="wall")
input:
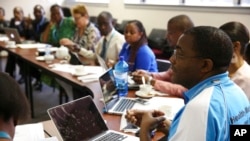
column 157, row 17
column 151, row 16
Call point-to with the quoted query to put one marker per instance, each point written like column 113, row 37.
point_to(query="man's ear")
column 207, row 65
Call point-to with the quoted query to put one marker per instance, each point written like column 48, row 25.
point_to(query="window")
column 206, row 3
column 93, row 1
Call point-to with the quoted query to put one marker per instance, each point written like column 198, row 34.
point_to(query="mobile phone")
column 141, row 101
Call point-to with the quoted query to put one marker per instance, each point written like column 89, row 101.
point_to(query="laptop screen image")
column 107, row 83
column 78, row 120
column 113, row 103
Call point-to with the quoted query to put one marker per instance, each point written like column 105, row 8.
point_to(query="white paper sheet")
column 170, row 106
column 28, row 46
column 29, row 132
column 50, row 139
column 71, row 68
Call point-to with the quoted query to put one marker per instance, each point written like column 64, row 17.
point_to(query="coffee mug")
column 11, row 44
column 146, row 88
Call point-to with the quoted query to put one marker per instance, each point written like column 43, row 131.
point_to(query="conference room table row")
column 28, row 56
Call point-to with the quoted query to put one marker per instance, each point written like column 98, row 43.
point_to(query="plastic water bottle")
column 47, row 50
column 121, row 77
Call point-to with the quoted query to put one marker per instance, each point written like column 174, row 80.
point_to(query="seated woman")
column 238, row 69
column 135, row 51
column 85, row 38
column 14, row 107
column 59, row 27
column 86, row 35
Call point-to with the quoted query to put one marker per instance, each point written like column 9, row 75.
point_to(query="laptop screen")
column 13, row 34
column 107, row 83
column 78, row 120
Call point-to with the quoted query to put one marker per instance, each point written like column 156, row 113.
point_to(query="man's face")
column 186, row 63
column 18, row 14
column 38, row 13
column 172, row 35
column 105, row 25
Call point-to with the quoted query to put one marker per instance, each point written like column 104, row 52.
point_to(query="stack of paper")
column 29, row 132
column 28, row 46
column 170, row 106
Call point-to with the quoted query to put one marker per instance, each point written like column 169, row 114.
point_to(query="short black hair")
column 213, row 43
column 237, row 32
column 13, row 102
column 181, row 22
column 106, row 14
column 55, row 6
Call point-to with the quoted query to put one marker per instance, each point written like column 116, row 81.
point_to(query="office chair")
column 93, row 19
column 120, row 27
column 66, row 11
column 157, row 38
column 163, row 65
column 158, row 43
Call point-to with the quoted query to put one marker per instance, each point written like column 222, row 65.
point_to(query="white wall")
column 152, row 17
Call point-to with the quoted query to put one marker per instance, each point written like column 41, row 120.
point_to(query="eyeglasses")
column 77, row 18
column 177, row 56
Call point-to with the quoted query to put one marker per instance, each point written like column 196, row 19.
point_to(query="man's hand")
column 70, row 45
column 146, row 120
column 138, row 74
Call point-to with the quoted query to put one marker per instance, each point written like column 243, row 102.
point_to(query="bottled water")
column 47, row 50
column 121, row 76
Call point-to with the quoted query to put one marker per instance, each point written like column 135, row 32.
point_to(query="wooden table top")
column 29, row 55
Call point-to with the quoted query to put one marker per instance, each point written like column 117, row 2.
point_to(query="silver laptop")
column 80, row 120
column 13, row 35
column 113, row 103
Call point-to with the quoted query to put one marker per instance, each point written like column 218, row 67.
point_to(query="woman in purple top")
column 135, row 51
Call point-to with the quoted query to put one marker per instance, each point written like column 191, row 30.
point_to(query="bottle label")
column 121, row 76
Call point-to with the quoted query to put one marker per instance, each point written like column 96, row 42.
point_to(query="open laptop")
column 80, row 120
column 13, row 35
column 113, row 103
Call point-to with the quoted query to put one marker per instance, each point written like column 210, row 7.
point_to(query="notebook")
column 113, row 103
column 13, row 35
column 80, row 120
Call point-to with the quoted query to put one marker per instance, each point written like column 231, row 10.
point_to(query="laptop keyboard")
column 112, row 137
column 124, row 105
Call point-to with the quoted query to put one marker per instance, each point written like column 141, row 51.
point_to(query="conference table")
column 28, row 56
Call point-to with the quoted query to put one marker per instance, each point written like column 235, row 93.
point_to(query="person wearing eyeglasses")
column 162, row 80
column 200, row 64
column 85, row 39
column 86, row 35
